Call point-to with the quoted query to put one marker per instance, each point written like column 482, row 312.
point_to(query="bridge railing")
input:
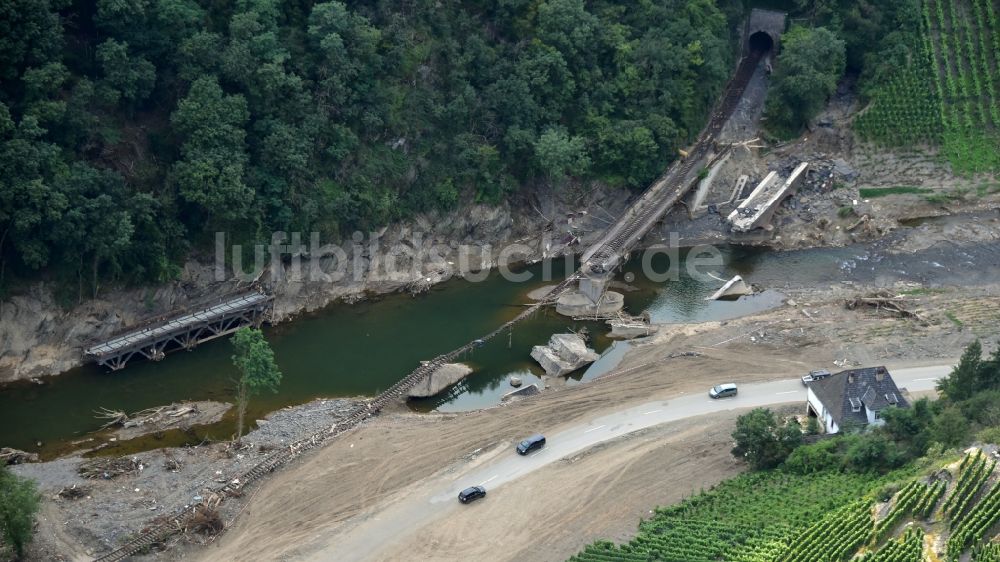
column 190, row 308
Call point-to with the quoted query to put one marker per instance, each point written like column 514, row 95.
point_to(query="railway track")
column 639, row 218
column 673, row 184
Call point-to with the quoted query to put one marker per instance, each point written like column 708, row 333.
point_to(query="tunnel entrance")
column 760, row 42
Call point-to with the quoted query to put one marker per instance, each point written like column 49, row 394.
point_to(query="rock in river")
column 564, row 354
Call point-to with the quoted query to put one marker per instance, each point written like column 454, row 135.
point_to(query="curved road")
column 364, row 541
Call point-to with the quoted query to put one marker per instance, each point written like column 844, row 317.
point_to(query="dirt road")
column 580, row 480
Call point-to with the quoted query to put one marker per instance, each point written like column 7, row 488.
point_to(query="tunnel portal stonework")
column 769, row 22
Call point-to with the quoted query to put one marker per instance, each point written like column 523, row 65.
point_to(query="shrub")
column 18, row 505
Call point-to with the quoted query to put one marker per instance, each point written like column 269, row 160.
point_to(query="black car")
column 533, row 443
column 471, row 494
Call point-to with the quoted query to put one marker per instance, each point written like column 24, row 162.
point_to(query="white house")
column 855, row 397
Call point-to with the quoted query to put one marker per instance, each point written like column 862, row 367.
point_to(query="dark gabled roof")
column 860, row 386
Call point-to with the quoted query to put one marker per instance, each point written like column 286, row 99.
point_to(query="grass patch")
column 987, row 189
column 922, row 291
column 954, row 319
column 845, row 211
column 946, row 197
column 873, row 192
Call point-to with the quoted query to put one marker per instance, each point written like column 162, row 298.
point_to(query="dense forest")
column 130, row 130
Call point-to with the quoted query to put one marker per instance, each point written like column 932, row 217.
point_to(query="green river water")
column 354, row 350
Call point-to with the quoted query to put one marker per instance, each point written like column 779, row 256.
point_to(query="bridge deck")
column 188, row 327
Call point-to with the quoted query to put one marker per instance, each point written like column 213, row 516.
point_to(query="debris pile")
column 883, row 301
column 564, row 354
column 110, row 468
column 74, row 492
column 15, row 456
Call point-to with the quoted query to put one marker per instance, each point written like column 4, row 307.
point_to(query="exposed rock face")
column 445, row 376
column 564, row 354
column 40, row 337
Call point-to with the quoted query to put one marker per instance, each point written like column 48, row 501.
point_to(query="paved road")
column 363, row 542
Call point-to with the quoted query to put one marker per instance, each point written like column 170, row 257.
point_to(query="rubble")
column 564, row 354
column 445, row 376
column 735, row 287
column 628, row 327
column 15, row 456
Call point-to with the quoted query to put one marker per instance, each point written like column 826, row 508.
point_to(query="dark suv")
column 533, row 443
column 471, row 494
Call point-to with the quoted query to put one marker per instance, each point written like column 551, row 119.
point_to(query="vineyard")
column 948, row 94
column 826, row 517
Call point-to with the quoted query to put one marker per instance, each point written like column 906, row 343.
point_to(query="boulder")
column 564, row 354
column 445, row 376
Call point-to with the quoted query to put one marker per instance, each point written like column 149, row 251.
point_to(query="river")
column 359, row 349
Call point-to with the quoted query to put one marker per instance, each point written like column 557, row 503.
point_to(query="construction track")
column 620, row 240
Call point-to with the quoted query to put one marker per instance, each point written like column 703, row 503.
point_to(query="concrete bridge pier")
column 591, row 298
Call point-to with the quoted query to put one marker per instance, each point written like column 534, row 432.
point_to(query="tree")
column 559, row 154
column 254, row 359
column 950, row 428
column 130, row 77
column 812, row 61
column 909, row 425
column 815, row 457
column 18, row 505
column 871, row 452
column 961, row 382
column 211, row 171
column 762, row 441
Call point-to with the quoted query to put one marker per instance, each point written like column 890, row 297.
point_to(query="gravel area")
column 115, row 509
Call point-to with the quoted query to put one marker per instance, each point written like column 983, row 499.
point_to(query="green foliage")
column 18, row 504
column 972, row 375
column 254, row 359
column 873, row 192
column 755, row 517
column 559, row 155
column 811, row 63
column 762, row 441
column 816, row 457
column 132, row 78
column 211, row 172
column 990, row 435
column 946, row 44
column 332, row 116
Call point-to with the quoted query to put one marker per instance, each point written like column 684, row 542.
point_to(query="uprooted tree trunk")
column 206, row 521
column 884, row 302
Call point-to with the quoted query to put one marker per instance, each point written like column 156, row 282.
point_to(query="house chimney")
column 850, row 377
column 880, row 374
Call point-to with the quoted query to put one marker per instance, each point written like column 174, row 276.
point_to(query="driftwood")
column 206, row 521
column 15, row 456
column 886, row 302
column 114, row 417
column 109, row 468
column 160, row 416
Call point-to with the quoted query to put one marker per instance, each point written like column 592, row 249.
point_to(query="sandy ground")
column 600, row 493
